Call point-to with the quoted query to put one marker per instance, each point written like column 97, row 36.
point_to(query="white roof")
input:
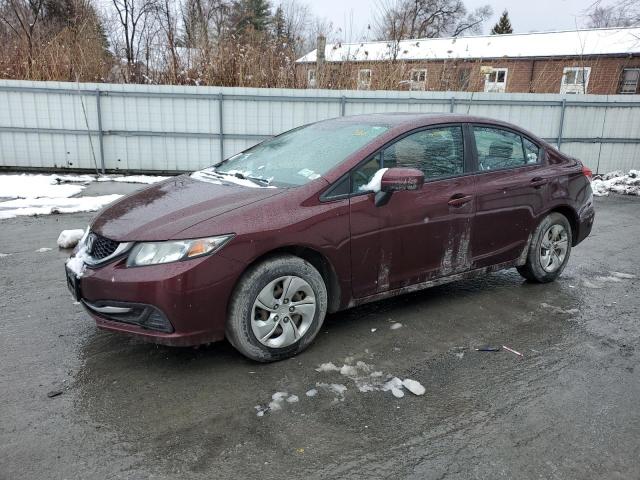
column 599, row 41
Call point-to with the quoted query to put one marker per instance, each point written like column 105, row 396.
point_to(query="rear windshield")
column 301, row 155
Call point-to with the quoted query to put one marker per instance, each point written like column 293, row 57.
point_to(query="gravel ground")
column 568, row 409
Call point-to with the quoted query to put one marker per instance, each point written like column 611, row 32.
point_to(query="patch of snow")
column 292, row 399
column 312, row 393
column 395, row 326
column 413, row 386
column 570, row 43
column 554, row 309
column 373, row 330
column 374, row 184
column 69, row 238
column 348, row 370
column 460, row 355
column 627, row 276
column 617, row 182
column 2, row 255
column 395, row 386
column 145, row 179
column 327, row 367
column 77, row 263
column 46, row 206
column 37, row 185
column 276, row 400
column 43, row 249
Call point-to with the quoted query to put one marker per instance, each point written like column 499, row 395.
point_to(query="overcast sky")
column 353, row 16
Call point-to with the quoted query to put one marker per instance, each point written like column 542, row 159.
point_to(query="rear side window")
column 499, row 149
column 438, row 152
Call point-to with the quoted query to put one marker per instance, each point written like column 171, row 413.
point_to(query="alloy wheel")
column 553, row 249
column 283, row 311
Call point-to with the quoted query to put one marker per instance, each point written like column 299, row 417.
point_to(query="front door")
column 419, row 235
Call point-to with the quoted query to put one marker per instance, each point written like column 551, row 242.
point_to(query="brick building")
column 598, row 61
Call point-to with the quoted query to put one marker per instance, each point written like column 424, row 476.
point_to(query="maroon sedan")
column 324, row 217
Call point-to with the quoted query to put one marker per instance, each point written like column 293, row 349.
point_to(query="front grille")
column 100, row 247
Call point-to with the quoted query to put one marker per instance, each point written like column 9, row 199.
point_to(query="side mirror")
column 398, row 179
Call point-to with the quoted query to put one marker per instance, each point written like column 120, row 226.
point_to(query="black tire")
column 238, row 329
column 533, row 270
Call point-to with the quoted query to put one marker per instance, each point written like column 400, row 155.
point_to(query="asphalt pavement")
column 567, row 409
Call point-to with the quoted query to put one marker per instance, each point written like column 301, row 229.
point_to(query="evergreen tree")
column 254, row 14
column 503, row 26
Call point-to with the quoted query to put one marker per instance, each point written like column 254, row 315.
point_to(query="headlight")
column 151, row 253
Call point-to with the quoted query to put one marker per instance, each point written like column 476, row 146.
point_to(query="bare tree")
column 22, row 17
column 403, row 19
column 623, row 13
column 134, row 21
column 168, row 21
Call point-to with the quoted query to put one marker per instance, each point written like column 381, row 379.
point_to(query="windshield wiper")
column 261, row 181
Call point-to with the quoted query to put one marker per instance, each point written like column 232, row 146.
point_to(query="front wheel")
column 276, row 309
column 549, row 249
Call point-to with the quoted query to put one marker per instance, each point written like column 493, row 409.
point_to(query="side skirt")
column 433, row 283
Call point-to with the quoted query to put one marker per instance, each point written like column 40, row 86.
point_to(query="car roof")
column 399, row 121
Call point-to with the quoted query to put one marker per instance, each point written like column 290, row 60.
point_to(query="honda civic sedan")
column 260, row 247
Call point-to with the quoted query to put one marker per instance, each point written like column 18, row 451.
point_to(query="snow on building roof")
column 598, row 41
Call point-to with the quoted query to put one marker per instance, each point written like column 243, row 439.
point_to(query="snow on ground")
column 69, row 238
column 395, row 325
column 46, row 206
column 43, row 249
column 147, row 179
column 617, row 182
column 2, row 255
column 363, row 375
column 40, row 194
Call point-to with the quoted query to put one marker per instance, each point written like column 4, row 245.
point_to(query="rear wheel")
column 277, row 309
column 549, row 249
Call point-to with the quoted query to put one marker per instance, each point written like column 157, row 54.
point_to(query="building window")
column 364, row 79
column 575, row 79
column 311, row 78
column 418, row 79
column 464, row 75
column 629, row 80
column 496, row 80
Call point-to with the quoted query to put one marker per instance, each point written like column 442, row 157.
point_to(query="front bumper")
column 179, row 304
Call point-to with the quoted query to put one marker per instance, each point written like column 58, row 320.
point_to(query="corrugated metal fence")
column 176, row 128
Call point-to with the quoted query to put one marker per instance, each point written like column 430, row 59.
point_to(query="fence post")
column 220, row 117
column 343, row 105
column 564, row 106
column 452, row 104
column 100, row 132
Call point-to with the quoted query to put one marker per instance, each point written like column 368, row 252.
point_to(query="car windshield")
column 301, row 155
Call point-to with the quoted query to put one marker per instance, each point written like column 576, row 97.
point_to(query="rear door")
column 511, row 187
column 418, row 235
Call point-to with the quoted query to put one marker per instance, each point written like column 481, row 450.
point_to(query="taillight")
column 586, row 171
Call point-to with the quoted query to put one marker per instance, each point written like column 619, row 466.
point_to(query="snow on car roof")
column 598, row 41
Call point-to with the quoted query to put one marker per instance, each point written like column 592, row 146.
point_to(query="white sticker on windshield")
column 314, row 176
column 305, row 172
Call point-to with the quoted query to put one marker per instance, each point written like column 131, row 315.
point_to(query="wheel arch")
column 319, row 261
column 572, row 216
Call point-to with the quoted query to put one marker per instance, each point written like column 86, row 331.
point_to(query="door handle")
column 538, row 182
column 459, row 199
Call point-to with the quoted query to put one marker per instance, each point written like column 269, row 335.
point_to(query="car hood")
column 163, row 210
